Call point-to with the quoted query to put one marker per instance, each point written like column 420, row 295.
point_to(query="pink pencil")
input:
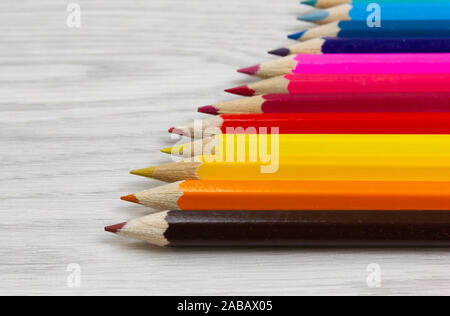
column 353, row 64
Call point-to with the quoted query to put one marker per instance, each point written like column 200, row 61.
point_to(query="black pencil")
column 300, row 228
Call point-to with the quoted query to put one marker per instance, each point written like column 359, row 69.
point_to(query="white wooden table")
column 80, row 107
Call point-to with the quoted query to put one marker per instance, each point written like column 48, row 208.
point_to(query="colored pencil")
column 320, row 123
column 329, row 45
column 284, row 228
column 331, row 3
column 195, row 195
column 353, row 29
column 321, row 168
column 334, row 103
column 389, row 11
column 234, row 148
column 353, row 64
column 341, row 83
column 326, row 3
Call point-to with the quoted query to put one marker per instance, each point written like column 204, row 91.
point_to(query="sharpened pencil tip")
column 314, row 16
column 146, row 172
column 242, row 90
column 167, row 150
column 175, row 150
column 115, row 228
column 250, row 70
column 208, row 109
column 130, row 198
column 297, row 36
column 283, row 52
column 178, row 131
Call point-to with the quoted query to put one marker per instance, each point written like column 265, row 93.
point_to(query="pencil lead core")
column 283, row 52
column 309, row 2
column 250, row 70
column 146, row 172
column 130, row 198
column 314, row 16
column 242, row 90
column 208, row 109
column 167, row 150
column 115, row 228
column 297, row 36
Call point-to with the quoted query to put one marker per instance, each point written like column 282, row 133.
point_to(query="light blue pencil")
column 387, row 12
column 323, row 4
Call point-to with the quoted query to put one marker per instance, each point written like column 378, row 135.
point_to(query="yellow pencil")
column 328, row 168
column 245, row 147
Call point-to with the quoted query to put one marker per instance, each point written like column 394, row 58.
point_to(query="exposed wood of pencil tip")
column 160, row 198
column 326, row 30
column 313, row 46
column 204, row 146
column 338, row 13
column 172, row 172
column 275, row 85
column 149, row 229
column 208, row 127
column 240, row 106
column 275, row 68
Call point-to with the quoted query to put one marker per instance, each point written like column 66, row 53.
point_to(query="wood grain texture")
column 81, row 107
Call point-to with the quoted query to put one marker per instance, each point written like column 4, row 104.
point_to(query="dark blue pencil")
column 367, row 46
column 388, row 29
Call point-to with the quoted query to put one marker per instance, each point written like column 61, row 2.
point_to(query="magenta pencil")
column 353, row 64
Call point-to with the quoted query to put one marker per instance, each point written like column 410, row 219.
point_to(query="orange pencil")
column 195, row 195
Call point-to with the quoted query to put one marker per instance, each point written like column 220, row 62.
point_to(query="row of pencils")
column 344, row 141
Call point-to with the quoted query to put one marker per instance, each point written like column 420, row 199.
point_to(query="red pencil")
column 353, row 83
column 323, row 123
column 335, row 102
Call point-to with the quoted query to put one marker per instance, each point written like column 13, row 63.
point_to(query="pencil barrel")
column 367, row 46
column 309, row 229
column 388, row 29
column 303, row 195
column 339, row 123
column 356, row 102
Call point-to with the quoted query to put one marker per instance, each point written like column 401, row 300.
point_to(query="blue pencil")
column 367, row 46
column 387, row 11
column 388, row 29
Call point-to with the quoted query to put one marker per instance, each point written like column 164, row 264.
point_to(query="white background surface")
column 81, row 107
